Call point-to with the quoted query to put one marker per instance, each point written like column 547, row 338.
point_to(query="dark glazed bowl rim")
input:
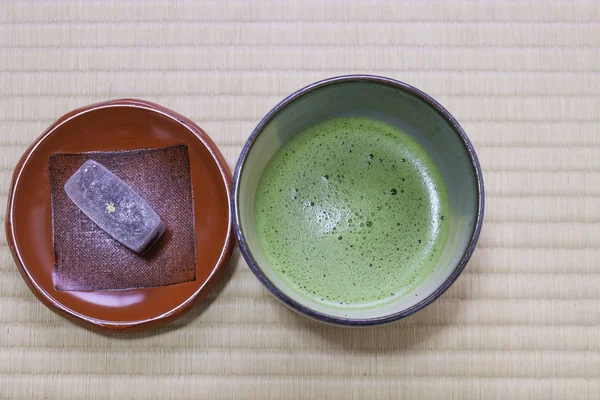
column 252, row 263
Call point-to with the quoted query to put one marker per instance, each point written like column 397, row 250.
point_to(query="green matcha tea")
column 352, row 212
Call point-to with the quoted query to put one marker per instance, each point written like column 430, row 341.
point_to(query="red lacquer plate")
column 116, row 126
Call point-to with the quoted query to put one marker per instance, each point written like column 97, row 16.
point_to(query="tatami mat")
column 523, row 77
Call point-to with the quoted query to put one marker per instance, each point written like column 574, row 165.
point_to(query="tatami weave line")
column 522, row 78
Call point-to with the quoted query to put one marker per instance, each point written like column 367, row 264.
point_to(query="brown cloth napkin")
column 87, row 258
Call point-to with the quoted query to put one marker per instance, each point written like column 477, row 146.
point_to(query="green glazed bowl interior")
column 395, row 103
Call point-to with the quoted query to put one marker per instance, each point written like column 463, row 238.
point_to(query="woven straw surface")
column 523, row 77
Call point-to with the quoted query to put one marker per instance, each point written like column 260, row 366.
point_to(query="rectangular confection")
column 114, row 206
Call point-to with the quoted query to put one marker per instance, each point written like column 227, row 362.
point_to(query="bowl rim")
column 302, row 309
column 134, row 325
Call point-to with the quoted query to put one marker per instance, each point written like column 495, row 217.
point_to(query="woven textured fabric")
column 521, row 76
column 87, row 258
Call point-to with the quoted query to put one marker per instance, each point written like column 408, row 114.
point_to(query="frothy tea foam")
column 352, row 212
